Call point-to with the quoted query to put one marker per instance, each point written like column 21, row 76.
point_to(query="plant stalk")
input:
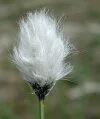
column 41, row 109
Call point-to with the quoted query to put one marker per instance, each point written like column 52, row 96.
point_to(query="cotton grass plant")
column 40, row 54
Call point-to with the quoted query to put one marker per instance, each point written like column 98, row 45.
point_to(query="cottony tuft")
column 41, row 51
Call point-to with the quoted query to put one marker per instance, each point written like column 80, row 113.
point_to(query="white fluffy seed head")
column 41, row 49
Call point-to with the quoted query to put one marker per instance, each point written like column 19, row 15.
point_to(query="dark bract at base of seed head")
column 41, row 91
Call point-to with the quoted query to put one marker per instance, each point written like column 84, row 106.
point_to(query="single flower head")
column 41, row 51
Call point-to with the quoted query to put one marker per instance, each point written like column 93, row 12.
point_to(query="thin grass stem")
column 41, row 109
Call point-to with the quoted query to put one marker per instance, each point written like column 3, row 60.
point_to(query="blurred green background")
column 76, row 98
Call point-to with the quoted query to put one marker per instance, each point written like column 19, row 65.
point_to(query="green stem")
column 41, row 109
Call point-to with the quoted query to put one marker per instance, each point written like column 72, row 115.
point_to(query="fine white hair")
column 41, row 49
